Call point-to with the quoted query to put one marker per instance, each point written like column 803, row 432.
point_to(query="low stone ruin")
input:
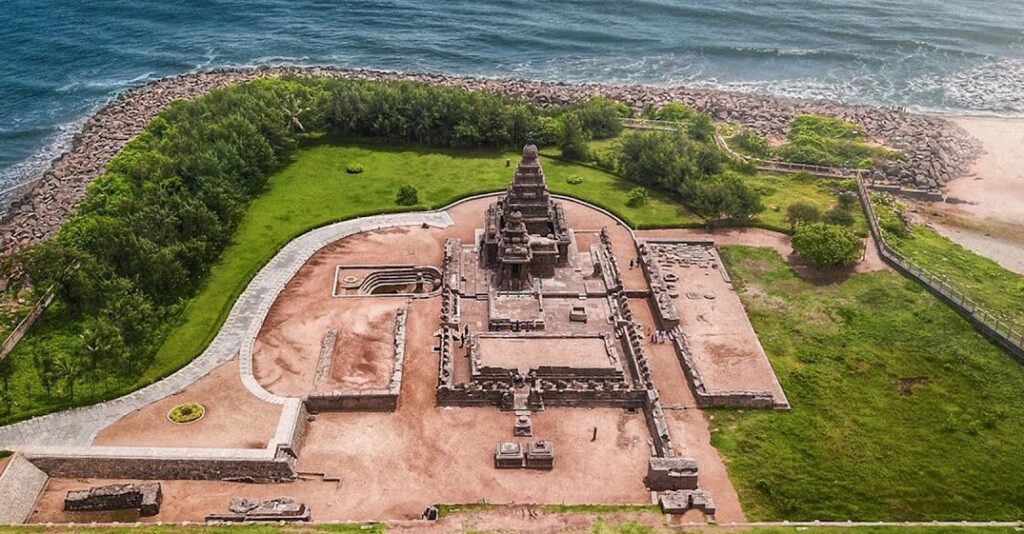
column 509, row 455
column 143, row 497
column 255, row 511
column 664, row 474
column 539, row 455
column 678, row 502
column 523, row 426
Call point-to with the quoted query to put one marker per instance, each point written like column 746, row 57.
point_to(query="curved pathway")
column 78, row 427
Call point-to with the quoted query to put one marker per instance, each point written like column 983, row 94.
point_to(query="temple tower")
column 525, row 234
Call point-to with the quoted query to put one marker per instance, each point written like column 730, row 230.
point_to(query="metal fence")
column 1006, row 333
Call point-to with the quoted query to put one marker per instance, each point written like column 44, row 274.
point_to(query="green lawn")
column 779, row 191
column 855, row 446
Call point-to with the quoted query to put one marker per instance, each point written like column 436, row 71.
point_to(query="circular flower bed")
column 190, row 412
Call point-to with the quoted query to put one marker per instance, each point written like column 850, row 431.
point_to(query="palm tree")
column 292, row 112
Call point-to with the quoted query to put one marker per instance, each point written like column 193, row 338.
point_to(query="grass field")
column 984, row 281
column 900, row 410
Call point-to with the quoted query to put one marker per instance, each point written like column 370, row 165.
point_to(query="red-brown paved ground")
column 287, row 349
column 687, row 423
column 234, row 418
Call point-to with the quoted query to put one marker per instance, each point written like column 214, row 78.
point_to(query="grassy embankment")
column 900, row 410
column 814, row 140
column 992, row 286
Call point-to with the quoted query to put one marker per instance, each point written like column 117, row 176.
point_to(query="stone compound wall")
column 163, row 464
column 21, row 483
column 936, row 150
column 668, row 316
column 385, row 400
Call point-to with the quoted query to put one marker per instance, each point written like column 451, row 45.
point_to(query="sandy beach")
column 987, row 215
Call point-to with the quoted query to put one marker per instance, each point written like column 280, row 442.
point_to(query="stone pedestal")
column 540, row 455
column 671, row 474
column 509, row 455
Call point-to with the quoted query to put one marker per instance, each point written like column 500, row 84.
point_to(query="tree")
column 69, row 369
column 638, row 196
column 45, row 370
column 726, row 197
column 572, row 139
column 6, row 370
column 799, row 213
column 407, row 196
column 600, row 117
column 827, row 245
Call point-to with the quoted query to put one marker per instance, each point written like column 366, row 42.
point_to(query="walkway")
column 78, row 427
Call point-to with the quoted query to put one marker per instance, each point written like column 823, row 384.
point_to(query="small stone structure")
column 671, row 474
column 523, row 426
column 540, row 455
column 255, row 511
column 145, row 498
column 413, row 281
column 509, row 455
column 678, row 502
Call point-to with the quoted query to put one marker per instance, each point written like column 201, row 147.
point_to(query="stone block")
column 665, row 474
column 509, row 455
column 144, row 497
column 523, row 426
column 540, row 455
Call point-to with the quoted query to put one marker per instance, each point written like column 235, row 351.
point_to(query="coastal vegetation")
column 827, row 245
column 814, row 140
column 900, row 410
column 990, row 285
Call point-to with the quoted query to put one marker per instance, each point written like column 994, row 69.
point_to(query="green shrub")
column 799, row 213
column 572, row 139
column 752, row 145
column 186, row 413
column 638, row 196
column 575, row 179
column 354, row 168
column 600, row 117
column 724, row 197
column 827, row 245
column 407, row 196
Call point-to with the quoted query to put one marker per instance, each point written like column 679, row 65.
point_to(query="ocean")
column 62, row 59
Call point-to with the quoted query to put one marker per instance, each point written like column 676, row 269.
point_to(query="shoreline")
column 988, row 212
column 937, row 149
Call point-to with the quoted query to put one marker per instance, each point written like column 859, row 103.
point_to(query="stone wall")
column 21, row 483
column 381, row 400
column 356, row 401
column 163, row 464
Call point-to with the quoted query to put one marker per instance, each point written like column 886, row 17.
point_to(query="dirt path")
column 988, row 216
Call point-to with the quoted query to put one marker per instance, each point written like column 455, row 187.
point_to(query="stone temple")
column 525, row 234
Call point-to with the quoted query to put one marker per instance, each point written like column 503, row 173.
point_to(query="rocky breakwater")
column 936, row 150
